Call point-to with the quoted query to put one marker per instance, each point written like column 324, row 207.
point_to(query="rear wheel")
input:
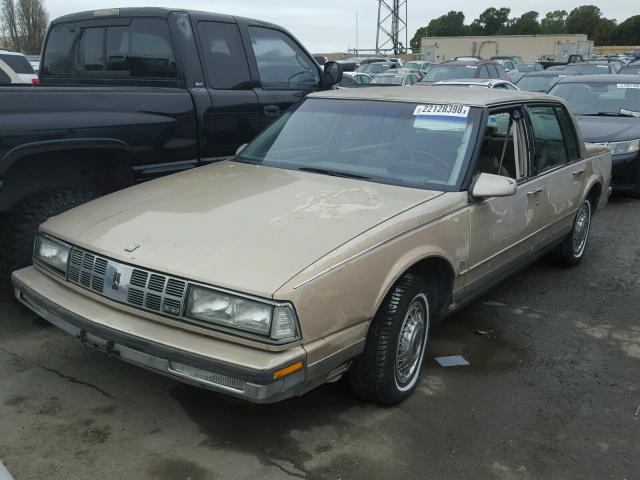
column 388, row 370
column 23, row 221
column 573, row 246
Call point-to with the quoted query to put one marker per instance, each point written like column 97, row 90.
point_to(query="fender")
column 406, row 262
column 24, row 150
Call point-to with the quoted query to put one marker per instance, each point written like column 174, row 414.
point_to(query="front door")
column 500, row 227
column 235, row 115
column 285, row 70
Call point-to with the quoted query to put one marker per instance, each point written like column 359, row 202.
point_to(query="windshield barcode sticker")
column 631, row 113
column 629, row 85
column 441, row 111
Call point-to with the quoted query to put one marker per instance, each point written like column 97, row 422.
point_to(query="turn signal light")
column 283, row 372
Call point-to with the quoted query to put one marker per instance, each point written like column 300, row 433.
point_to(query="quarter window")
column 501, row 146
column 282, row 64
column 224, row 56
column 549, row 145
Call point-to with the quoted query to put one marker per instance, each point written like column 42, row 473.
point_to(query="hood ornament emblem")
column 132, row 247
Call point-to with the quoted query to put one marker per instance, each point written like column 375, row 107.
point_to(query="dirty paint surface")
column 551, row 392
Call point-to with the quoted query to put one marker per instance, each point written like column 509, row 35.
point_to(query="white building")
column 528, row 47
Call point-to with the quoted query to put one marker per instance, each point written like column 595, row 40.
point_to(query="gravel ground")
column 552, row 392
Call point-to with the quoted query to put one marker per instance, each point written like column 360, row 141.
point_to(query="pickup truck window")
column 142, row 49
column 550, row 149
column 224, row 56
column 282, row 64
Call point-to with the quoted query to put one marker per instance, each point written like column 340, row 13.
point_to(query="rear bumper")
column 95, row 325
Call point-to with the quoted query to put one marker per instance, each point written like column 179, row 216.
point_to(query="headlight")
column 52, row 253
column 620, row 148
column 277, row 322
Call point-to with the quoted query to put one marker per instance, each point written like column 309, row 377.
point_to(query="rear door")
column 283, row 71
column 235, row 114
column 557, row 167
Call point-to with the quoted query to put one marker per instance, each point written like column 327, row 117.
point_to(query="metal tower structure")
column 392, row 34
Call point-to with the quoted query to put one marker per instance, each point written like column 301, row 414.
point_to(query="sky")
column 330, row 25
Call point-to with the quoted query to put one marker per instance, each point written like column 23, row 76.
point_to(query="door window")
column 282, row 64
column 484, row 72
column 549, row 146
column 502, row 147
column 224, row 56
column 493, row 71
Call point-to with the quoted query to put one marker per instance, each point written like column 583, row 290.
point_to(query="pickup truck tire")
column 572, row 248
column 388, row 370
column 23, row 222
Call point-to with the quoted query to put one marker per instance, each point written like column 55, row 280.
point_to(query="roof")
column 151, row 12
column 611, row 78
column 477, row 97
column 10, row 52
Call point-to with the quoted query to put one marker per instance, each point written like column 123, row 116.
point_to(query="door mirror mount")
column 332, row 74
column 240, row 149
column 488, row 185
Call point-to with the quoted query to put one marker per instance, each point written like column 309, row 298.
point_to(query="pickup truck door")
column 235, row 115
column 556, row 163
column 501, row 227
column 284, row 72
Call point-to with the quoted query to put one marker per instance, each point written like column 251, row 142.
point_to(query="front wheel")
column 388, row 370
column 573, row 246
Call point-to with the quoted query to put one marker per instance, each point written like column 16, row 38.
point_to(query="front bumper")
column 625, row 172
column 186, row 356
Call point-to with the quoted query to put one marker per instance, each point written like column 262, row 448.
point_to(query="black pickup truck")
column 131, row 94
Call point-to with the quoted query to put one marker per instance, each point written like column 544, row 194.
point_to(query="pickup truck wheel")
column 388, row 370
column 23, row 222
column 573, row 246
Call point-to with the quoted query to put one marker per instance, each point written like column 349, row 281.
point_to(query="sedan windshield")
column 586, row 69
column 599, row 98
column 387, row 80
column 435, row 74
column 420, row 146
column 376, row 67
column 540, row 83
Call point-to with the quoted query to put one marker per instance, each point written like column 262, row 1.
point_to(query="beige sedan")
column 330, row 245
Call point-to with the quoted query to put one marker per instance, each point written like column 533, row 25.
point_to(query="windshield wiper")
column 607, row 114
column 333, row 173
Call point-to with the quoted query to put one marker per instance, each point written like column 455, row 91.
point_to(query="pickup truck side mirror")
column 488, row 185
column 332, row 74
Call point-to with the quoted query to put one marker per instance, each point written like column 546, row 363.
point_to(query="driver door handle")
column 272, row 110
column 535, row 191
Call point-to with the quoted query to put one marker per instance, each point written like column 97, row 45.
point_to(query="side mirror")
column 332, row 74
column 488, row 185
column 240, row 149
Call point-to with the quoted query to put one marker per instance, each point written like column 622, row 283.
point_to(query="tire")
column 23, row 222
column 377, row 375
column 572, row 248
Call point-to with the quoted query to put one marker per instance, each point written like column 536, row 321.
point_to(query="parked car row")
column 244, row 275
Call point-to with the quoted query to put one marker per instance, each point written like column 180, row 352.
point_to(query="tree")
column 554, row 22
column 25, row 23
column 588, row 19
column 417, row 38
column 527, row 24
column 449, row 25
column 491, row 21
column 628, row 32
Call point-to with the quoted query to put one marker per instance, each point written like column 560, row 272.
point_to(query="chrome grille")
column 126, row 284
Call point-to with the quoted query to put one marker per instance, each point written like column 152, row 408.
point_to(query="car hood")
column 239, row 226
column 609, row 129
